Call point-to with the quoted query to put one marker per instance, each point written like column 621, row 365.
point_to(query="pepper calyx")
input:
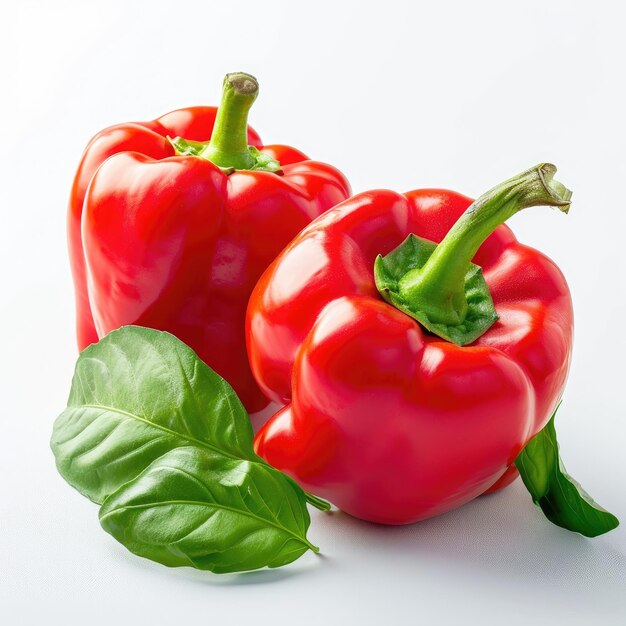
column 261, row 162
column 437, row 284
column 413, row 254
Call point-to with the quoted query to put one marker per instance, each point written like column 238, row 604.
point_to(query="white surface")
column 398, row 95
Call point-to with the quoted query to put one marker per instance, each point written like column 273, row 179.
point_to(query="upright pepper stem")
column 438, row 287
column 229, row 141
column 228, row 147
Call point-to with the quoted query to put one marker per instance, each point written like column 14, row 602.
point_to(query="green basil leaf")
column 195, row 507
column 165, row 445
column 136, row 394
column 563, row 501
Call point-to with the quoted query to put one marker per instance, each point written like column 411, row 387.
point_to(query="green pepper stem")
column 438, row 286
column 229, row 141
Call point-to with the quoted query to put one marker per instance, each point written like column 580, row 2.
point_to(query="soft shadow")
column 499, row 537
column 257, row 577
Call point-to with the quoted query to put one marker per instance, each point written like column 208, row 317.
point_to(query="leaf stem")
column 318, row 503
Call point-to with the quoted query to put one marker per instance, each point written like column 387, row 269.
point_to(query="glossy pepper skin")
column 390, row 423
column 176, row 243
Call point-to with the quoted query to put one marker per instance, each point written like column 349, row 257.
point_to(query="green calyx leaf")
column 264, row 162
column 563, row 501
column 258, row 160
column 412, row 254
column 143, row 408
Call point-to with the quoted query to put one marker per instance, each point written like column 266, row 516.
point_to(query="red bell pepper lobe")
column 172, row 222
column 416, row 379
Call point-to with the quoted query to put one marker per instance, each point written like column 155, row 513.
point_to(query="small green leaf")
column 264, row 162
column 185, row 147
column 413, row 254
column 563, row 501
column 201, row 509
column 137, row 394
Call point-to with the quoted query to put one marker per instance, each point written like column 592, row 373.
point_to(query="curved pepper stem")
column 431, row 282
column 439, row 286
column 228, row 147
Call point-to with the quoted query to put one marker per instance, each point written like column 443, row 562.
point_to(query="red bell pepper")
column 415, row 380
column 174, row 233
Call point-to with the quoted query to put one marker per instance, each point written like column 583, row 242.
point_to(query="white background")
column 398, row 95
